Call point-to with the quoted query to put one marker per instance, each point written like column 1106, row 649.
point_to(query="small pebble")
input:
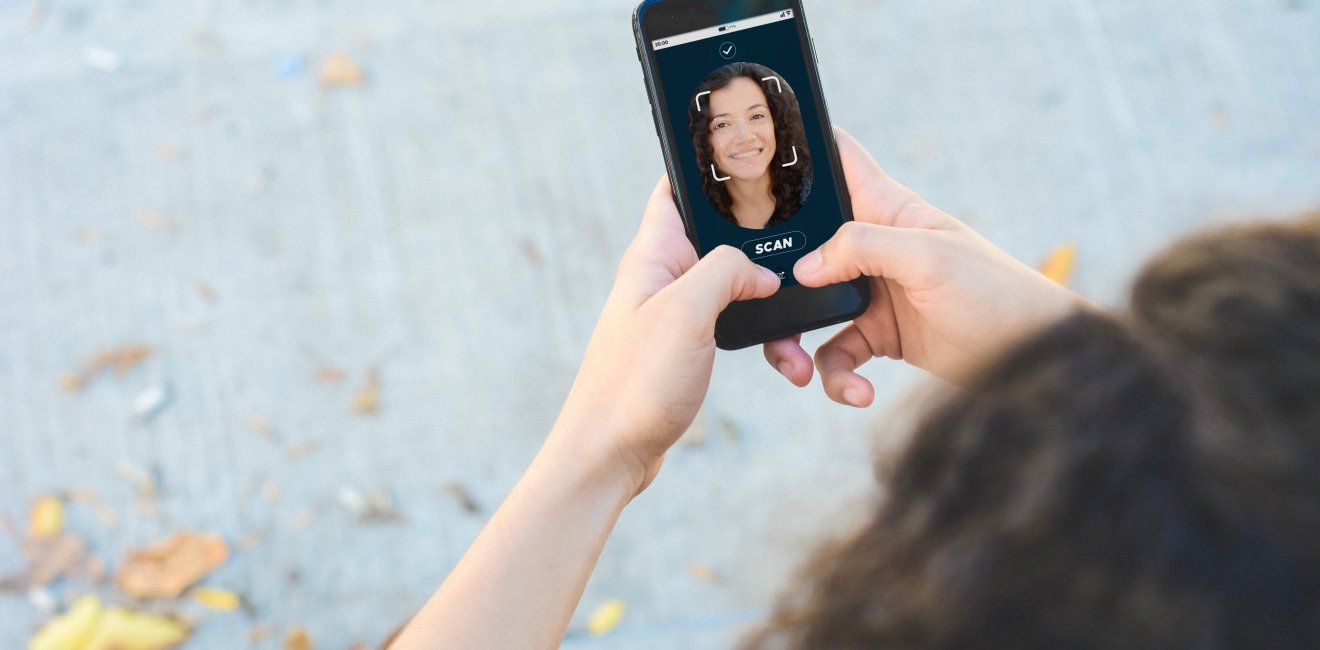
column 150, row 402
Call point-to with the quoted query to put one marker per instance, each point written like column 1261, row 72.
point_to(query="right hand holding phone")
column 943, row 297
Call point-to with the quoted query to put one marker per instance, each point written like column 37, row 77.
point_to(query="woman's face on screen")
column 742, row 132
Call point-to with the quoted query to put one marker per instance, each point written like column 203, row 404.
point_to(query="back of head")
column 1140, row 481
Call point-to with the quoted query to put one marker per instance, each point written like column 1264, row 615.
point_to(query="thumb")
column 911, row 257
column 723, row 276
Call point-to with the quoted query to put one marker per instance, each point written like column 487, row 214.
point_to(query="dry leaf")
column 120, row 629
column 1059, row 265
column 302, row 450
column 730, row 430
column 302, row 520
column 249, row 541
column 89, row 236
column 166, row 568
column 87, row 626
column 258, row 633
column 36, row 13
column 367, row 399
column 606, row 617
column 122, row 359
column 46, row 516
column 169, row 151
column 55, row 556
column 262, row 426
column 140, row 479
column 72, row 630
column 218, row 599
column 464, row 497
column 152, row 220
column 328, row 375
column 297, row 639
column 702, row 572
column 338, row 69
column 206, row 292
column 105, row 513
column 532, row 253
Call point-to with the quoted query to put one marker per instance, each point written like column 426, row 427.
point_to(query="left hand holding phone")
column 648, row 365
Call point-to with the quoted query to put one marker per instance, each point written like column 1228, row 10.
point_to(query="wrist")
column 585, row 457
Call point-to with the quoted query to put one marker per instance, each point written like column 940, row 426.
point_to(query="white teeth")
column 742, row 155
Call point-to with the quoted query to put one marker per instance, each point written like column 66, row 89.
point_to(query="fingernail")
column 853, row 396
column 808, row 264
column 785, row 368
column 768, row 273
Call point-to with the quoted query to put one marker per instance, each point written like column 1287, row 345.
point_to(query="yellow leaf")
column 367, row 399
column 46, row 518
column 606, row 617
column 121, row 629
column 218, row 599
column 72, row 630
column 339, row 69
column 1059, row 265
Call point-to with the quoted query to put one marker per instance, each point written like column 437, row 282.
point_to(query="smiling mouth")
column 746, row 154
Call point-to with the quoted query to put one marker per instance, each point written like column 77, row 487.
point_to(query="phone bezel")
column 790, row 300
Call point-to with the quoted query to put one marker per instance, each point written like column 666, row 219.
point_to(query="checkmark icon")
column 727, row 50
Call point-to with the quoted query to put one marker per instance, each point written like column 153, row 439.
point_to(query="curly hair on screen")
column 1149, row 479
column 787, row 183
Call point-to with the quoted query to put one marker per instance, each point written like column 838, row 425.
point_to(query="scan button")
column 785, row 242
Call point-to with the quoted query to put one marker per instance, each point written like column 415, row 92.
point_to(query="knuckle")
column 726, row 255
column 852, row 238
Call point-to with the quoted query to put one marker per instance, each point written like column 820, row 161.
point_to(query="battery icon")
column 724, row 27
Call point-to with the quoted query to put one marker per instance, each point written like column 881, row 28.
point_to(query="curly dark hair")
column 789, row 185
column 1141, row 480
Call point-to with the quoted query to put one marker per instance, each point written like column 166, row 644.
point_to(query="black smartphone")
column 747, row 142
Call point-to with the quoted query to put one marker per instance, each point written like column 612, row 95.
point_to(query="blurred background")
column 313, row 276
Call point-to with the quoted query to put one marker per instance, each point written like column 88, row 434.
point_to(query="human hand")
column 942, row 297
column 647, row 368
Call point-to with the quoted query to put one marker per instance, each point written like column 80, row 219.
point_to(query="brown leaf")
column 297, row 639
column 53, row 557
column 152, row 220
column 36, row 13
column 206, row 292
column 166, row 568
column 169, row 151
column 258, row 633
column 122, row 359
column 702, row 572
column 262, row 426
column 302, row 450
column 86, row 497
column 328, row 375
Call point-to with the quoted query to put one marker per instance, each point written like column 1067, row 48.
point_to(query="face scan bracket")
column 779, row 89
column 795, row 158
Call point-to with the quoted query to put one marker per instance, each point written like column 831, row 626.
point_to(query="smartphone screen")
column 748, row 137
column 749, row 149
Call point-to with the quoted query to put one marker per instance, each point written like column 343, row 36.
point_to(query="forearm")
column 518, row 584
